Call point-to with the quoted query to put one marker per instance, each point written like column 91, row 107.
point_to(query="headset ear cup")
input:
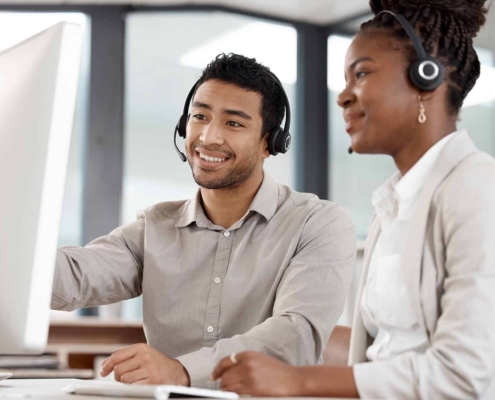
column 272, row 141
column 181, row 126
column 283, row 142
column 420, row 79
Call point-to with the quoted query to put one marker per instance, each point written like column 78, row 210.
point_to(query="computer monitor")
column 38, row 87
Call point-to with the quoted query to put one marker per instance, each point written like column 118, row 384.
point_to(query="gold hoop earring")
column 422, row 115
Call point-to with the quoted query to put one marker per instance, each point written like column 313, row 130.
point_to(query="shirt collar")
column 192, row 211
column 265, row 203
column 266, row 200
column 411, row 183
column 398, row 190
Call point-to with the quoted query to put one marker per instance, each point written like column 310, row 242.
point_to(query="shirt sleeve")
column 107, row 270
column 460, row 362
column 309, row 300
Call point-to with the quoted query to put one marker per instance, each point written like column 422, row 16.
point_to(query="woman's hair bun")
column 471, row 13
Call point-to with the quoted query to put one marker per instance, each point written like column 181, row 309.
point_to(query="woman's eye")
column 360, row 74
column 234, row 124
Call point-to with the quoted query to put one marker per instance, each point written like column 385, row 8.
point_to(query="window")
column 18, row 26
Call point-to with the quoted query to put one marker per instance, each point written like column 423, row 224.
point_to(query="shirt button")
column 210, row 329
column 218, row 280
column 226, row 233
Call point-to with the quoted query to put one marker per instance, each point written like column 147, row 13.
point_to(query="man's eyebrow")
column 356, row 62
column 201, row 105
column 239, row 113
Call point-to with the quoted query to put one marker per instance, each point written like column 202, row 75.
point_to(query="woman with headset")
column 424, row 324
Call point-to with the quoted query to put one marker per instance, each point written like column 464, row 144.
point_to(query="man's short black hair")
column 248, row 74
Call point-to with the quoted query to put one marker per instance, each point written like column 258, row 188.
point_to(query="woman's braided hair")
column 446, row 29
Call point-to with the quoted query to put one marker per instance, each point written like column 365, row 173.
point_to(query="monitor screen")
column 38, row 87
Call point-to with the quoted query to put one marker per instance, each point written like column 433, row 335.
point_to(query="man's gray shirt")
column 274, row 282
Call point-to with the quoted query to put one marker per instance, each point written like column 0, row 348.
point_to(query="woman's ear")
column 439, row 93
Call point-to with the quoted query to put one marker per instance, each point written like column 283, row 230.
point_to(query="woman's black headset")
column 426, row 73
column 279, row 139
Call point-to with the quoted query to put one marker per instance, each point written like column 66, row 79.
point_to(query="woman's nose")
column 345, row 98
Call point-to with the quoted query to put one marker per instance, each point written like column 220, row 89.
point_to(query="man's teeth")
column 211, row 159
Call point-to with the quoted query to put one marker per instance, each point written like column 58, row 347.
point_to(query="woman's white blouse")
column 387, row 314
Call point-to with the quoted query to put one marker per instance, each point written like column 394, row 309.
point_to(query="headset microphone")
column 350, row 151
column 180, row 153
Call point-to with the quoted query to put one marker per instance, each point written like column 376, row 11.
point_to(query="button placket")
column 222, row 258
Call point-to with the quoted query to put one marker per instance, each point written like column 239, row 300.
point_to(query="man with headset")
column 247, row 264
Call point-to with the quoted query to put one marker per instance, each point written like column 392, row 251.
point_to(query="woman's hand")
column 258, row 375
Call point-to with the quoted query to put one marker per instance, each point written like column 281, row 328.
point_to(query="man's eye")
column 199, row 116
column 234, row 124
column 360, row 74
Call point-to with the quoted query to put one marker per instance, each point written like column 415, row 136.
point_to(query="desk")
column 40, row 389
column 77, row 342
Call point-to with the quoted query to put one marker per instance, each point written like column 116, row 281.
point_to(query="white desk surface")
column 43, row 389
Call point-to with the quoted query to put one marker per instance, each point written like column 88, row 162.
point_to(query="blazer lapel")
column 458, row 148
column 454, row 152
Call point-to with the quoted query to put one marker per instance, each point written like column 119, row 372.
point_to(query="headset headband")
column 420, row 50
column 270, row 74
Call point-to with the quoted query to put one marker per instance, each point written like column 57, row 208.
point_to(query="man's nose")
column 212, row 134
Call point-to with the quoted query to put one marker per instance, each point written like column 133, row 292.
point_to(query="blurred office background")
column 139, row 63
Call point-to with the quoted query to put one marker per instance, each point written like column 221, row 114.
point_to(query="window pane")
column 18, row 26
column 165, row 54
column 353, row 178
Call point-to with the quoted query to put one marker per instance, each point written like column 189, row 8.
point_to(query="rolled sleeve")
column 107, row 270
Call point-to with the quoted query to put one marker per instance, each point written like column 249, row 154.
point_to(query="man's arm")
column 107, row 270
column 310, row 299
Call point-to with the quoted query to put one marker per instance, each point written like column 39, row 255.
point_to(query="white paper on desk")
column 5, row 375
column 111, row 389
column 160, row 392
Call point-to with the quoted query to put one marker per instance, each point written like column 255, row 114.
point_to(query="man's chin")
column 209, row 182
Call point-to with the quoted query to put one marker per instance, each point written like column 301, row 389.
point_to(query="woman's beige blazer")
column 450, row 259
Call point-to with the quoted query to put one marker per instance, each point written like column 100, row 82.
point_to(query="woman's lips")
column 351, row 121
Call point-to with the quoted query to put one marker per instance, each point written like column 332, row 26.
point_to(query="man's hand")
column 258, row 375
column 142, row 364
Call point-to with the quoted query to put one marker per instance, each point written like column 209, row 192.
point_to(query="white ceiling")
column 321, row 12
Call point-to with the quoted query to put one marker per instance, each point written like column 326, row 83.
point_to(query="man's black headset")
column 279, row 139
column 427, row 73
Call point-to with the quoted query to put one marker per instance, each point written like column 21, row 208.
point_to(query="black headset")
column 427, row 73
column 279, row 139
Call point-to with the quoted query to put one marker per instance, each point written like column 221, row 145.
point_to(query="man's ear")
column 264, row 145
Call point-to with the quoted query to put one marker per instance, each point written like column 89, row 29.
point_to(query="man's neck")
column 224, row 207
